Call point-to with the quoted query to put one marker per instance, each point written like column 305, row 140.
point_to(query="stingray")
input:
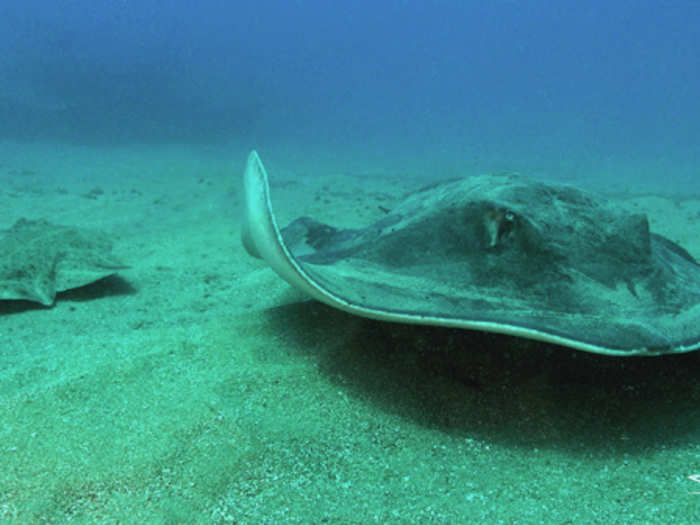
column 496, row 253
column 38, row 259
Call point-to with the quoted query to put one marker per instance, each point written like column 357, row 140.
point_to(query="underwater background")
column 193, row 385
column 597, row 89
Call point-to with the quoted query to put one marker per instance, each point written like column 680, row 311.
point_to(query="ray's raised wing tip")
column 255, row 189
column 254, row 157
column 254, row 169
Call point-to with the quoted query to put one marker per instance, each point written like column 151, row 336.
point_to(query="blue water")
column 566, row 88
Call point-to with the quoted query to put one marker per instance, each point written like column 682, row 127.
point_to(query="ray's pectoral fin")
column 498, row 253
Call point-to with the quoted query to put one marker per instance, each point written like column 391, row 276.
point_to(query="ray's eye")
column 506, row 225
column 499, row 223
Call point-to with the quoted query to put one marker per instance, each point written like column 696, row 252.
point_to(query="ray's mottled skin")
column 500, row 253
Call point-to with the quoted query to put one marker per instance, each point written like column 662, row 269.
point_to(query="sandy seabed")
column 197, row 387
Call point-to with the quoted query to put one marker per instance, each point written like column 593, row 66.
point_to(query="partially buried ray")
column 499, row 253
column 38, row 259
